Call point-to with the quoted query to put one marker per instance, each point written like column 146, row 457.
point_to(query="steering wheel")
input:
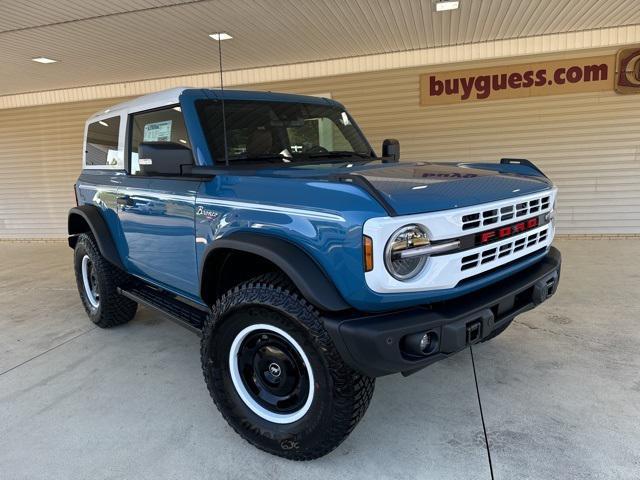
column 317, row 149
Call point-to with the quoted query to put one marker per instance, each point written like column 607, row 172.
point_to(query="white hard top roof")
column 172, row 97
column 145, row 102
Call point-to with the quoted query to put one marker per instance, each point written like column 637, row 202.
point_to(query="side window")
column 102, row 142
column 166, row 125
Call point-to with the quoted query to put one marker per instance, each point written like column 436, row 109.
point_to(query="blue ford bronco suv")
column 309, row 265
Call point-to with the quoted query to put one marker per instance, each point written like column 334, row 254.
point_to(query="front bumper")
column 374, row 343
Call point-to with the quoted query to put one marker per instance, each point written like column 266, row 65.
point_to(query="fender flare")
column 309, row 277
column 93, row 217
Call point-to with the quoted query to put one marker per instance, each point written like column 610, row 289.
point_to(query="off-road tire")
column 341, row 396
column 113, row 309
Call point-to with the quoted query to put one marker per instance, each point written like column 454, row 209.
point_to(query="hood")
column 422, row 187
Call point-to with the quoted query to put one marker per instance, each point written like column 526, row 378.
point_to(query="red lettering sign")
column 504, row 232
column 507, row 231
column 486, row 236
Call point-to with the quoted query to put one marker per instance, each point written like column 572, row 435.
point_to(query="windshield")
column 281, row 132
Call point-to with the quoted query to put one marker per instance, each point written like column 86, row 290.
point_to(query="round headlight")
column 405, row 238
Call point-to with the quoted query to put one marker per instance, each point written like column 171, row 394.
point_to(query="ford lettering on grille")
column 506, row 231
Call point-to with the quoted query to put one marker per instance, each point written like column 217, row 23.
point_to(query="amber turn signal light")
column 367, row 245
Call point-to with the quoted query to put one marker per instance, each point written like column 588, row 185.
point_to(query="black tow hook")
column 474, row 332
column 545, row 288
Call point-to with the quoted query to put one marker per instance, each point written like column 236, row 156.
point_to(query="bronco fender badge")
column 205, row 212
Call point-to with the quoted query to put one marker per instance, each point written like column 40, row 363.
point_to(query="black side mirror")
column 391, row 150
column 163, row 158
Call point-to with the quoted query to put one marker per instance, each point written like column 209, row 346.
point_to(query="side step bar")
column 188, row 316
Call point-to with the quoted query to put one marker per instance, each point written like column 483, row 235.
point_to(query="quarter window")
column 102, row 142
column 166, row 125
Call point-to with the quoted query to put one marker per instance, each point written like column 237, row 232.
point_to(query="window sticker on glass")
column 158, row 131
column 112, row 157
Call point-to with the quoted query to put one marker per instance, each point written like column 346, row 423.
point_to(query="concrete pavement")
column 560, row 390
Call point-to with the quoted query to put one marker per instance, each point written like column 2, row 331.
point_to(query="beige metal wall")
column 588, row 143
column 40, row 158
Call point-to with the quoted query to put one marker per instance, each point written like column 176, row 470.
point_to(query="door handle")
column 125, row 201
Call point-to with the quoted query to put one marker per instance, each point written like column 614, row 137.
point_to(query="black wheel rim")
column 273, row 372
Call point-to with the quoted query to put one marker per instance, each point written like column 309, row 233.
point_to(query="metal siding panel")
column 40, row 159
column 433, row 57
column 589, row 144
column 274, row 33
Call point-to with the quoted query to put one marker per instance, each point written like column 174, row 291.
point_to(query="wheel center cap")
column 274, row 369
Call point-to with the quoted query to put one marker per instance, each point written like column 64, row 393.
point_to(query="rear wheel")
column 275, row 375
column 98, row 283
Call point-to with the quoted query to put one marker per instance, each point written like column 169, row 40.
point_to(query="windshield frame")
column 218, row 161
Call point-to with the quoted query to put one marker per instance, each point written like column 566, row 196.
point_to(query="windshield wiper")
column 339, row 154
column 264, row 156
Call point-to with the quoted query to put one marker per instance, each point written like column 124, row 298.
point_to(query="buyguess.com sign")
column 516, row 81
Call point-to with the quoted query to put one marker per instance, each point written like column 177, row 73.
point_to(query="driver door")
column 157, row 212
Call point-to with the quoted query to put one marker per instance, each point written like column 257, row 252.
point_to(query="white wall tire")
column 89, row 281
column 337, row 398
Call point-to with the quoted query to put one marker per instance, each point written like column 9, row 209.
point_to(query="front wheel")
column 275, row 375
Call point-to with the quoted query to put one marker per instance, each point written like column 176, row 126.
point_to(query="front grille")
column 508, row 212
column 492, row 253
